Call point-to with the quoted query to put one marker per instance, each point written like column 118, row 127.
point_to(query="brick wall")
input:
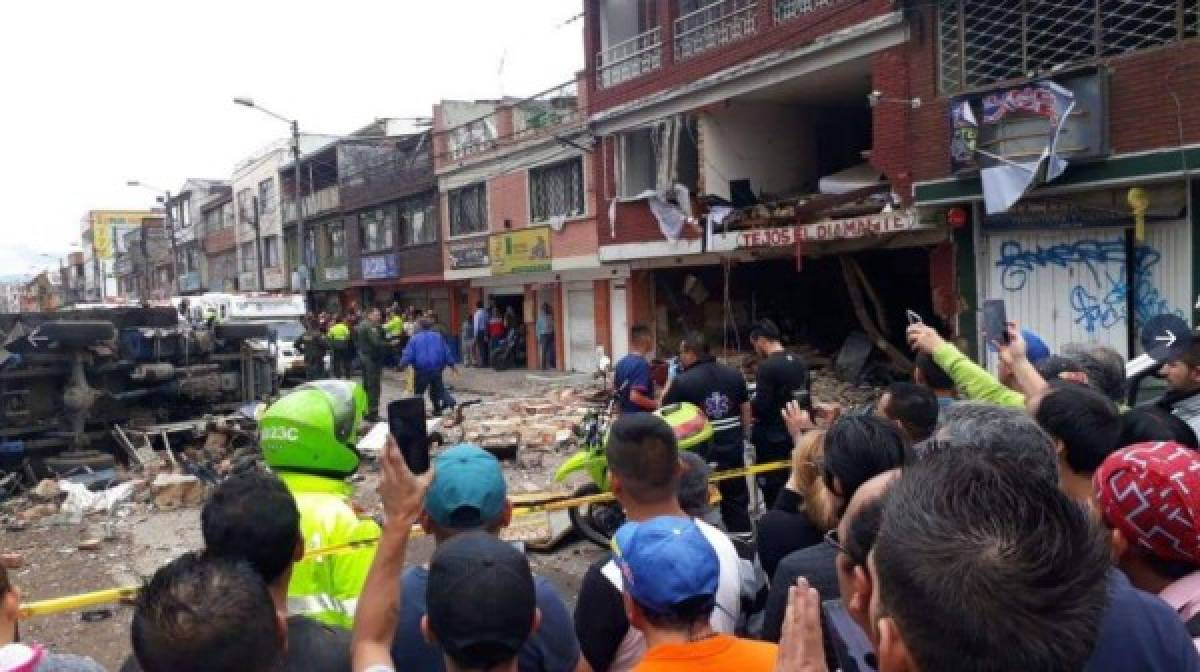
column 769, row 37
column 508, row 201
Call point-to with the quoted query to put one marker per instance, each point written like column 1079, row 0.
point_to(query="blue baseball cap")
column 665, row 561
column 1035, row 348
column 468, row 488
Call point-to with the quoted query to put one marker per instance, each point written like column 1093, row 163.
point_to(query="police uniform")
column 372, row 351
column 343, row 351
column 720, row 391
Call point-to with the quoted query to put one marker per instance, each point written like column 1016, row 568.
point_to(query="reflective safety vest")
column 394, row 326
column 339, row 335
column 327, row 588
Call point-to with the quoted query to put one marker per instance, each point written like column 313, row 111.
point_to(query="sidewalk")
column 488, row 382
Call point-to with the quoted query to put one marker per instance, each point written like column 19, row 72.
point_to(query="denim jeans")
column 438, row 395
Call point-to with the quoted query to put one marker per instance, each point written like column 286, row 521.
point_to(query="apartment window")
column 227, row 215
column 637, row 162
column 270, row 246
column 249, row 256
column 212, row 220
column 418, row 224
column 185, row 213
column 468, row 210
column 375, row 229
column 335, row 239
column 266, row 195
column 245, row 199
column 981, row 43
column 658, row 157
column 556, row 190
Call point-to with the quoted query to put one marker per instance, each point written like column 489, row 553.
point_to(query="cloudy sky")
column 99, row 93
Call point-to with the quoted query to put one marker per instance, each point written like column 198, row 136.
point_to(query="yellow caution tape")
column 97, row 598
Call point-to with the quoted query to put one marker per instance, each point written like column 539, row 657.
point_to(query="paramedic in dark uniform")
column 720, row 391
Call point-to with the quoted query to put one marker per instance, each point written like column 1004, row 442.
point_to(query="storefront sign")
column 1056, row 214
column 471, row 253
column 336, row 274
column 1016, row 123
column 828, row 230
column 380, row 267
column 523, row 251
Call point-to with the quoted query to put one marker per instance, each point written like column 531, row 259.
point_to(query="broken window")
column 982, row 43
column 375, row 229
column 556, row 190
column 468, row 210
column 417, row 223
column 658, row 157
column 335, row 238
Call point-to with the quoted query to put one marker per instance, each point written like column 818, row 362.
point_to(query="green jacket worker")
column 373, row 349
column 308, row 438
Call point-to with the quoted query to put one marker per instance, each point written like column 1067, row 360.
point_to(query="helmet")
column 314, row 428
column 689, row 423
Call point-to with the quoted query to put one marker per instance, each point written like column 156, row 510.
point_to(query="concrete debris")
column 173, row 491
column 12, row 560
column 81, row 501
column 90, row 544
column 46, row 490
column 37, row 512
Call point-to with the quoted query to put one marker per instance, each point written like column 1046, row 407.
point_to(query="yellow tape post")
column 98, row 598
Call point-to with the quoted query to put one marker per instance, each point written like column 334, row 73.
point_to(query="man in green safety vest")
column 343, row 347
column 308, row 439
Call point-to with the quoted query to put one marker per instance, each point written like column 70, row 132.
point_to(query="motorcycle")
column 598, row 521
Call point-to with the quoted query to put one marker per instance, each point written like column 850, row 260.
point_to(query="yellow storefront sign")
column 523, row 251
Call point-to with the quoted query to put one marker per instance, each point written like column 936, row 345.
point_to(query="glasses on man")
column 831, row 538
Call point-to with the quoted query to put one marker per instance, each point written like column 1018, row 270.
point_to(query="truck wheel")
column 70, row 461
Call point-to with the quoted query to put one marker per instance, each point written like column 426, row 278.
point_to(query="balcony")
column 318, row 203
column 713, row 26
column 397, row 176
column 532, row 117
column 632, row 58
column 786, row 10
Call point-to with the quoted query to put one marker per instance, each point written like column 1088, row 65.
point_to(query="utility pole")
column 175, row 289
column 258, row 251
column 303, row 266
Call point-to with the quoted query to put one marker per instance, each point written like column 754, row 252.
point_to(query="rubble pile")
column 827, row 388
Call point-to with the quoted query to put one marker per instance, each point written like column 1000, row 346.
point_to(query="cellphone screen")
column 406, row 419
column 995, row 322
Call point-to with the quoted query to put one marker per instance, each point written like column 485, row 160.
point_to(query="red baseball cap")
column 1151, row 492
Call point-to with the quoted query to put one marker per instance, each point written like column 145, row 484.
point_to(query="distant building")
column 102, row 236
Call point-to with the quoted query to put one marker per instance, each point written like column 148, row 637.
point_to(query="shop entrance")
column 812, row 307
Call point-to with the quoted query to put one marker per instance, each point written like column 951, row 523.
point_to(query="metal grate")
column 556, row 190
column 982, row 42
column 468, row 210
column 786, row 10
column 629, row 59
column 714, row 25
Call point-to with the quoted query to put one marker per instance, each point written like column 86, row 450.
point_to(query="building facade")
column 102, row 236
column 220, row 240
column 187, row 233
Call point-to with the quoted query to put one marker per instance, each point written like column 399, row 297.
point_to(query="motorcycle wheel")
column 596, row 522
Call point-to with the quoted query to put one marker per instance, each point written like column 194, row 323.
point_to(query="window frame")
column 452, row 194
column 428, row 205
column 369, row 244
column 540, row 171
column 271, row 252
column 266, row 198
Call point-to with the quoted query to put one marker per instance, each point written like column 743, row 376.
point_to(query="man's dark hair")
column 915, row 407
column 638, row 332
column 252, row 516
column 767, row 329
column 863, row 529
column 933, row 374
column 1000, row 432
column 1051, row 367
column 682, row 615
column 643, row 453
column 858, row 448
column 1105, row 368
column 977, row 562
column 1153, row 423
column 1192, row 356
column 1086, row 421
column 695, row 343
column 200, row 613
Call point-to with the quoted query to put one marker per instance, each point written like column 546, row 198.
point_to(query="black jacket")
column 719, row 391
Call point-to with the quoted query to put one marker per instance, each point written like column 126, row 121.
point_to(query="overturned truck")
column 67, row 378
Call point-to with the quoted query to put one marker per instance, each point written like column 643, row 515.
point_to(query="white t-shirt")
column 724, row 617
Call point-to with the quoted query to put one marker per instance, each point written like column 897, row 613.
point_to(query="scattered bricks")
column 46, row 490
column 37, row 512
column 12, row 560
column 90, row 545
column 173, row 491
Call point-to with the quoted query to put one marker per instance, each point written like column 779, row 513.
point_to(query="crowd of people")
column 1025, row 521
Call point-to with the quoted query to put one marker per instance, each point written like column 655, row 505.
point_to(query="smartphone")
column 913, row 317
column 995, row 322
column 406, row 420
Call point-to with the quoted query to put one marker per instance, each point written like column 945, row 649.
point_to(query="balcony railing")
column 786, row 10
column 394, row 177
column 531, row 117
column 632, row 58
column 322, row 201
column 713, row 26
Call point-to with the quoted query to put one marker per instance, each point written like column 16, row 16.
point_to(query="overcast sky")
column 98, row 93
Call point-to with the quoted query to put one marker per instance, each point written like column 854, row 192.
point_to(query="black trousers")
column 768, row 450
column 342, row 360
column 735, row 496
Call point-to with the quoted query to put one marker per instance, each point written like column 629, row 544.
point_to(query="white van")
column 284, row 315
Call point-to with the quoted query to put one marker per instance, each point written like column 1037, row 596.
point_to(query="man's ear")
column 298, row 551
column 1120, row 545
column 632, row 612
column 506, row 513
column 614, row 484
column 859, row 603
column 282, row 628
column 426, row 632
column 893, row 652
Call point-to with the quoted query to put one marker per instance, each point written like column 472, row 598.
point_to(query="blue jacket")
column 426, row 351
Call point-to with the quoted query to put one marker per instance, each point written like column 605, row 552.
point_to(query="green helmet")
column 313, row 429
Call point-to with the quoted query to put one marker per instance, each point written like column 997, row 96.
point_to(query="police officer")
column 314, row 346
column 308, row 438
column 372, row 352
column 721, row 392
column 342, row 346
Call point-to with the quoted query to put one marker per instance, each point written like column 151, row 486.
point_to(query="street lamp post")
column 295, row 126
column 166, row 196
